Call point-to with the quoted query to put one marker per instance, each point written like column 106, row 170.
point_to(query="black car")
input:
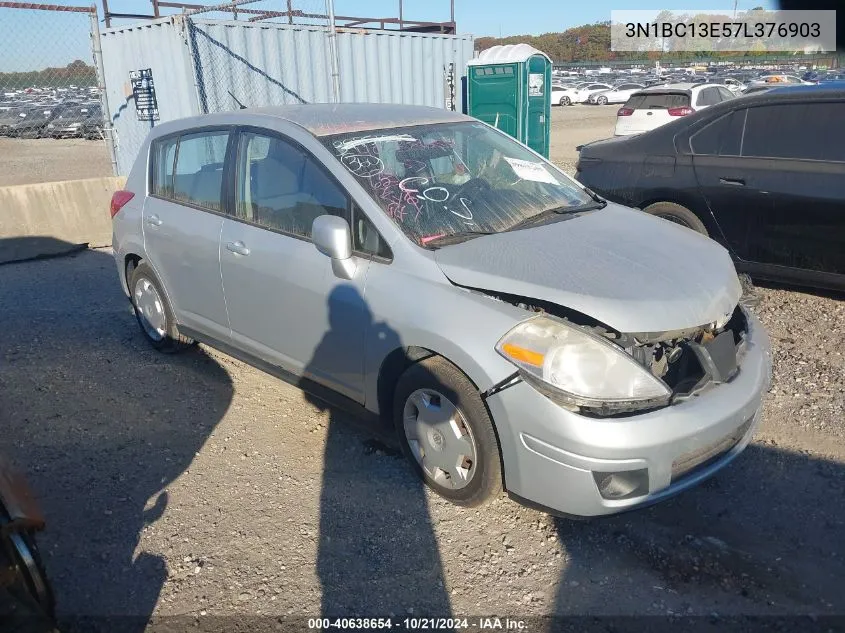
column 762, row 174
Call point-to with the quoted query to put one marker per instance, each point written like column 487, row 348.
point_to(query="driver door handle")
column 736, row 182
column 239, row 248
column 154, row 220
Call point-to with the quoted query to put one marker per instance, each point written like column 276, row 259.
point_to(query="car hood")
column 627, row 269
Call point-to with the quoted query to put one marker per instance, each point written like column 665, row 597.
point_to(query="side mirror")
column 333, row 237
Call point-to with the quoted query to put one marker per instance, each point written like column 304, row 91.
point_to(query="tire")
column 601, row 100
column 440, row 379
column 677, row 214
column 153, row 312
column 565, row 101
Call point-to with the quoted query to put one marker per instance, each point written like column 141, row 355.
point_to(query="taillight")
column 680, row 111
column 119, row 199
column 625, row 112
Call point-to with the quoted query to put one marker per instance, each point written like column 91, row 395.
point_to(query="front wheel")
column 446, row 432
column 602, row 100
column 565, row 101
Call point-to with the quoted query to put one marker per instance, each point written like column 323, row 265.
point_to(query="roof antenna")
column 243, row 107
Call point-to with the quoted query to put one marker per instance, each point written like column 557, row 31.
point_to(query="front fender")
column 460, row 325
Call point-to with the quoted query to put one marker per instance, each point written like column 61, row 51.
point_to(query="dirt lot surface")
column 197, row 485
column 27, row 161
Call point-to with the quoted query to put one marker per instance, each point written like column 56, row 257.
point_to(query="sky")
column 38, row 38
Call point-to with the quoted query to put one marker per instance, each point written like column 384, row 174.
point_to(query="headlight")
column 580, row 369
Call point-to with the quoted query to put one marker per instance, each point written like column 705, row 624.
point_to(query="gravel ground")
column 27, row 161
column 196, row 485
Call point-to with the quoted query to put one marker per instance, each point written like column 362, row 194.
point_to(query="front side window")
column 198, row 176
column 437, row 180
column 282, row 188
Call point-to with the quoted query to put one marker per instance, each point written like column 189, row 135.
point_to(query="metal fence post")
column 333, row 51
column 108, row 131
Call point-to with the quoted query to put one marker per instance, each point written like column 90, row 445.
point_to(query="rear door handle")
column 239, row 248
column 736, row 182
column 154, row 220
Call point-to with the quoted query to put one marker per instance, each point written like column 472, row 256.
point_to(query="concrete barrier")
column 74, row 211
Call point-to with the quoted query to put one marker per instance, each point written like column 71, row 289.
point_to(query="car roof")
column 680, row 87
column 829, row 89
column 322, row 119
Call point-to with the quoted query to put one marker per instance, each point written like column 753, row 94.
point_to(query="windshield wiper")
column 454, row 238
column 597, row 203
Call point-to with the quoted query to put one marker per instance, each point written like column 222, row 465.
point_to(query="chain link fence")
column 51, row 115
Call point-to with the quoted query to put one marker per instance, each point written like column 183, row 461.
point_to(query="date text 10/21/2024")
column 419, row 624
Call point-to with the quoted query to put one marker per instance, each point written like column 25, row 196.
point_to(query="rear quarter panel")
column 127, row 227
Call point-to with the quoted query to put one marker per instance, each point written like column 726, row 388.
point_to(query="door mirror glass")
column 332, row 237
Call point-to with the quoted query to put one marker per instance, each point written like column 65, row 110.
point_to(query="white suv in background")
column 652, row 107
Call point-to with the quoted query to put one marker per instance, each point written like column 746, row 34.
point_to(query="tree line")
column 591, row 42
column 77, row 73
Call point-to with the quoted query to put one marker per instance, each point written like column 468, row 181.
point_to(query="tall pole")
column 333, row 51
column 97, row 50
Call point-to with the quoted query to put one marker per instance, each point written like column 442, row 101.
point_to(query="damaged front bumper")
column 585, row 466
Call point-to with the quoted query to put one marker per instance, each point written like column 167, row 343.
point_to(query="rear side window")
column 721, row 137
column 811, row 131
column 198, row 176
column 164, row 154
column 708, row 97
column 658, row 101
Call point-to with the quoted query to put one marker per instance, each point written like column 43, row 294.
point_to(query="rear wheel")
column 677, row 214
column 153, row 312
column 446, row 432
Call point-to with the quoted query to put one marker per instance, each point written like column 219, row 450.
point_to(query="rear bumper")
column 557, row 459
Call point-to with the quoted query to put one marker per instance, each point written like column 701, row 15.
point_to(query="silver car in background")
column 430, row 273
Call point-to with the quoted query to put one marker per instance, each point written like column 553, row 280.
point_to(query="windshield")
column 439, row 180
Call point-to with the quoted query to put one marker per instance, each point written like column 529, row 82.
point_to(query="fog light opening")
column 625, row 484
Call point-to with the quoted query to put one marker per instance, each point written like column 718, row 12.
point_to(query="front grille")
column 706, row 455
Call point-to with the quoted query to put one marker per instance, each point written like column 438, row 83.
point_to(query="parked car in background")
column 34, row 124
column 11, row 118
column 732, row 84
column 284, row 236
column 82, row 121
column 763, row 174
column 779, row 80
column 577, row 94
column 650, row 108
column 619, row 94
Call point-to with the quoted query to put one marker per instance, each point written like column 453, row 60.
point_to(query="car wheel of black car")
column 153, row 312
column 446, row 432
column 677, row 214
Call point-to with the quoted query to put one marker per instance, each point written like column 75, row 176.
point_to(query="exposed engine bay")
column 689, row 361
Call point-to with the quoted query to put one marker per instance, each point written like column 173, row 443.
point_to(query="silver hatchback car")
column 425, row 270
